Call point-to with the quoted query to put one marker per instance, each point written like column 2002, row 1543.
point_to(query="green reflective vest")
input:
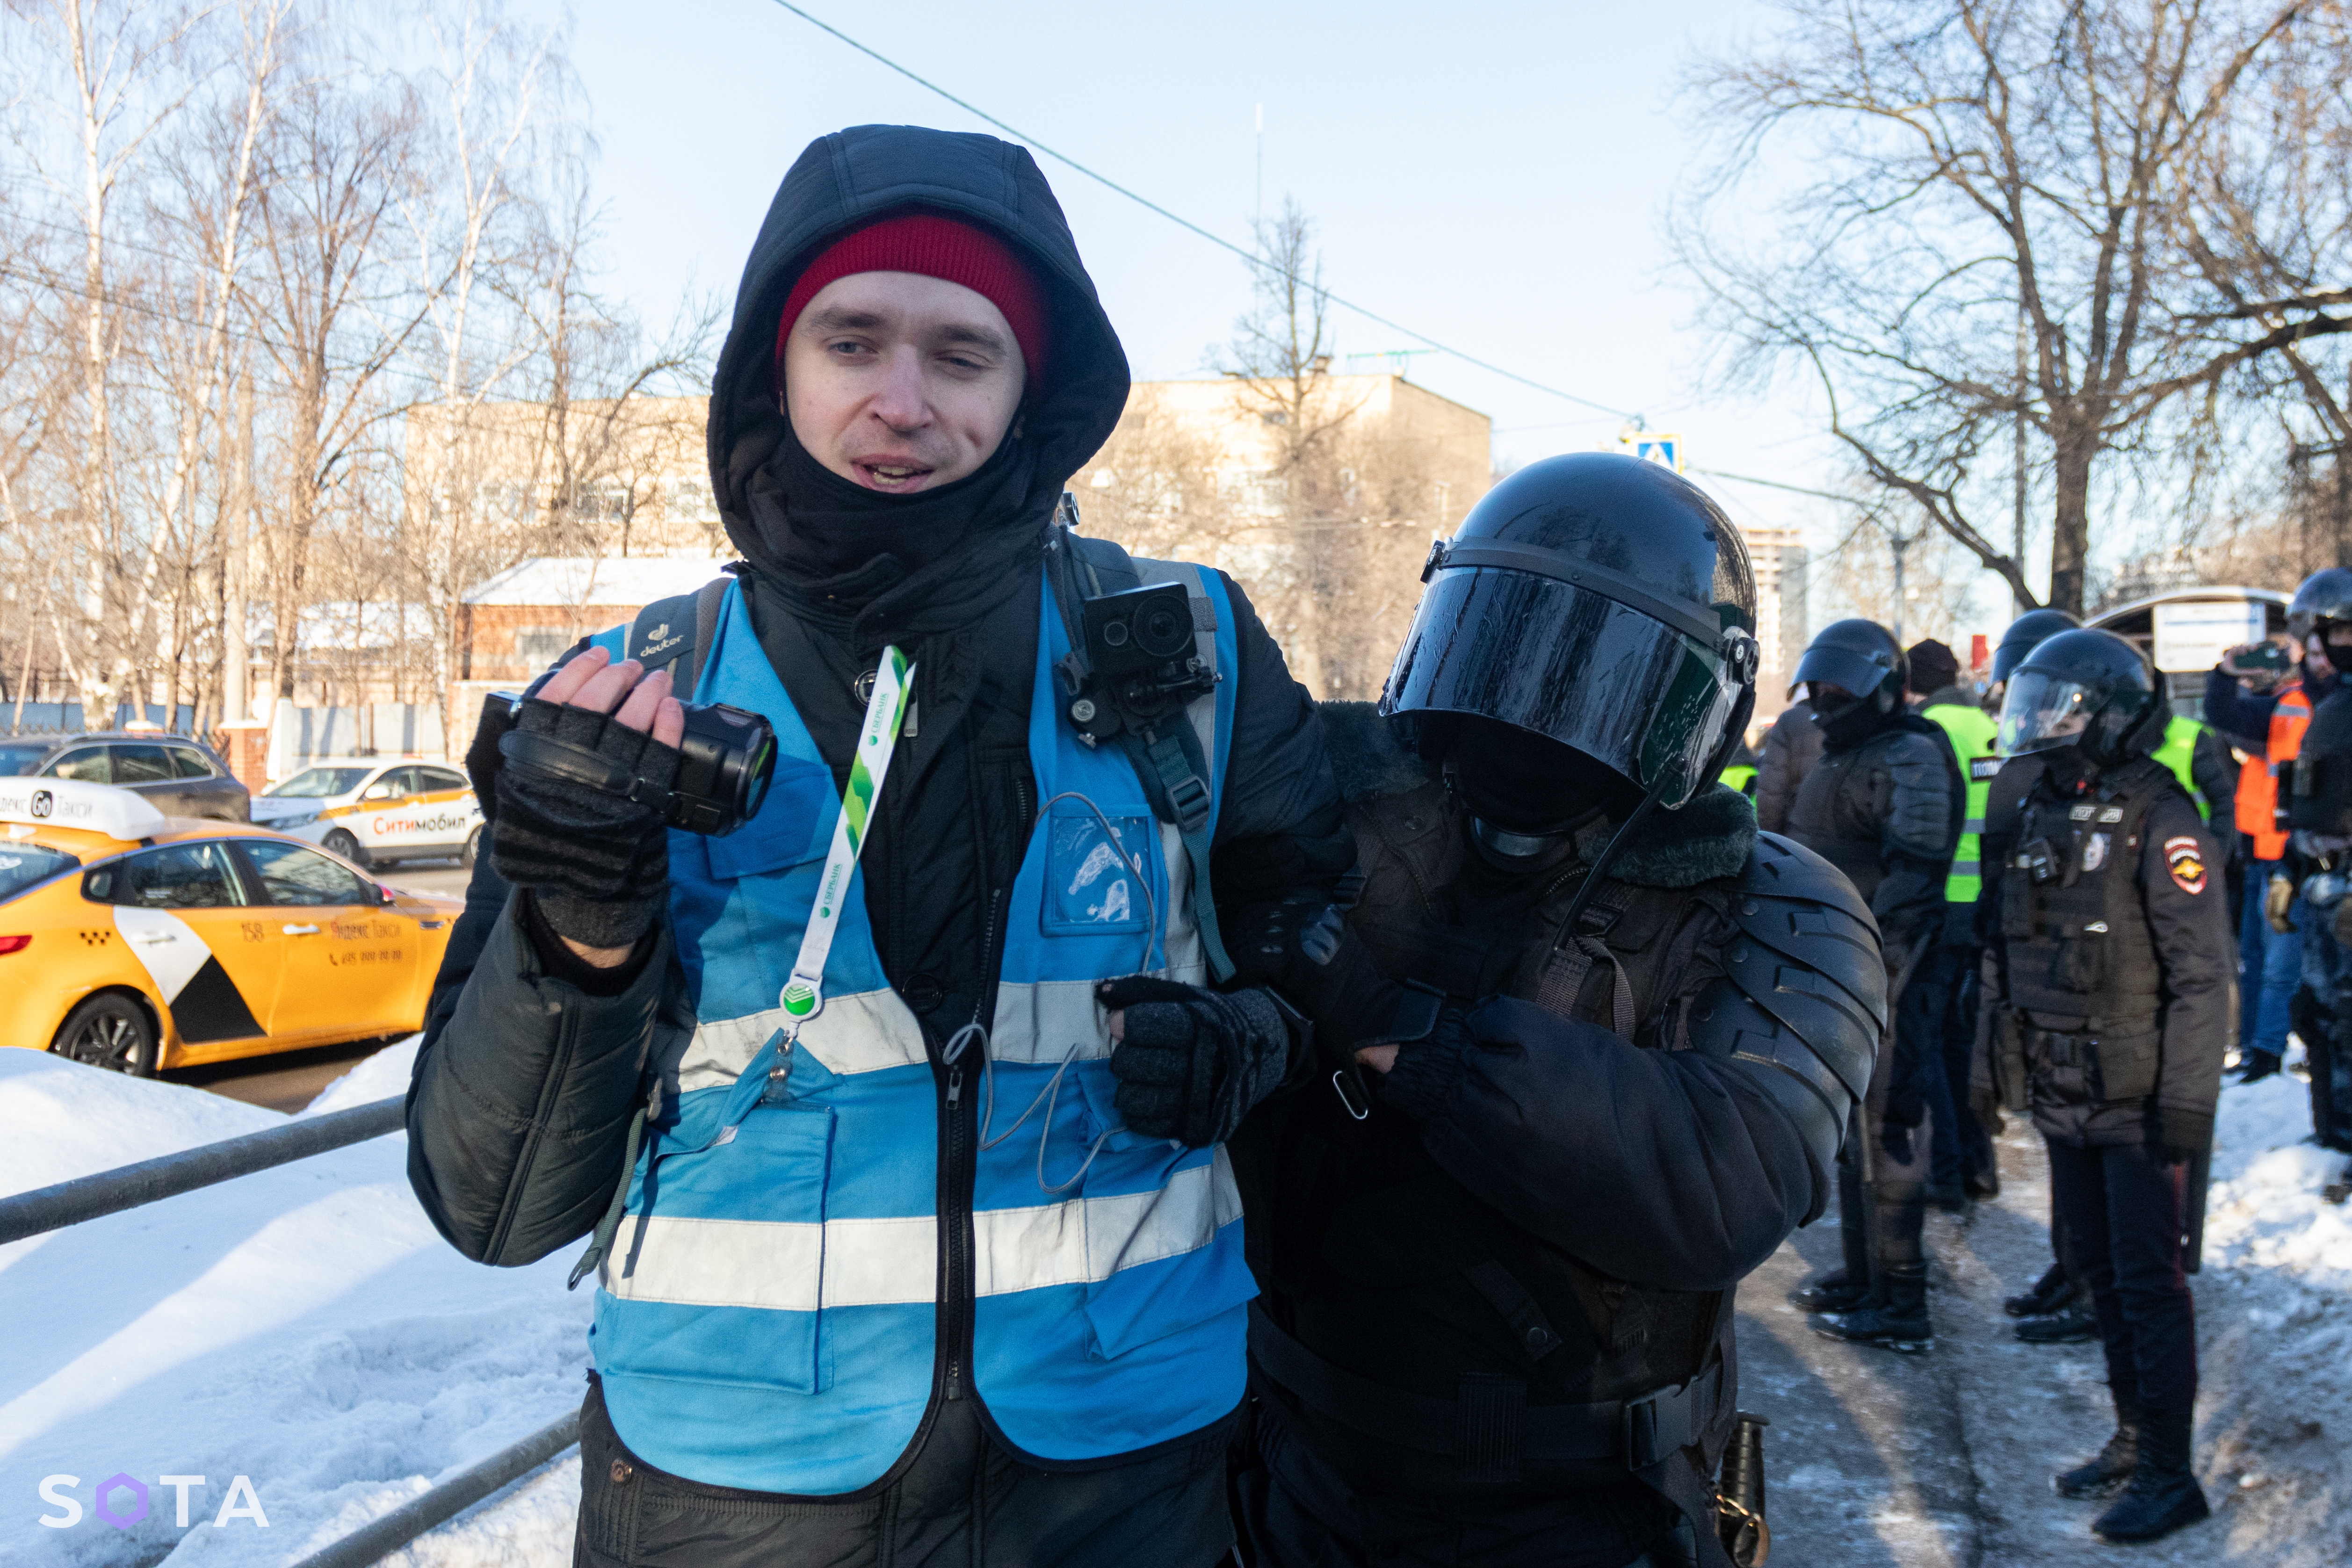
column 2178, row 750
column 1740, row 777
column 1971, row 731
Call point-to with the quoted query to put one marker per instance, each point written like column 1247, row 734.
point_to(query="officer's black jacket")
column 2177, row 897
column 532, row 1064
column 1627, row 1179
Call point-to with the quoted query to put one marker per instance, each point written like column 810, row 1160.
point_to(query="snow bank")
column 304, row 1327
column 2274, row 1307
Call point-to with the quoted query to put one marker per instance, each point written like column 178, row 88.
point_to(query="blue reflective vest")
column 768, row 1315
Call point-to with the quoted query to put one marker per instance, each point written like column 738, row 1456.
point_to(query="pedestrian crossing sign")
column 1657, row 446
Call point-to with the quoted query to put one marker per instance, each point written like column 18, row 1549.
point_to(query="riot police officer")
column 1499, row 1228
column 2319, row 815
column 1884, row 806
column 2119, row 1003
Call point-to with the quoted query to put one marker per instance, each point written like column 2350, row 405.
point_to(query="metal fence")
column 89, row 1198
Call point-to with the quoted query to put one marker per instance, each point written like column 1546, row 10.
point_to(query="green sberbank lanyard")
column 804, row 995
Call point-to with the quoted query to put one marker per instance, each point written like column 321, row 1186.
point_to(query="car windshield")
column 316, row 783
column 22, row 865
column 22, row 761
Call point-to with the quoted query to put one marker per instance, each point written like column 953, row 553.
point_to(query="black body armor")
column 2084, row 970
column 1388, row 1280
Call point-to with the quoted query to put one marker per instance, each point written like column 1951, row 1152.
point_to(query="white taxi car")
column 375, row 809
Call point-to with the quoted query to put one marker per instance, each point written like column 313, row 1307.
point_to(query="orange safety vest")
column 2258, row 781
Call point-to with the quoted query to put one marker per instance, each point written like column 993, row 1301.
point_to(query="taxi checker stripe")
column 799, row 1267
column 885, row 710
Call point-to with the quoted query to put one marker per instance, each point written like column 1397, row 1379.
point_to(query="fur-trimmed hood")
column 1709, row 837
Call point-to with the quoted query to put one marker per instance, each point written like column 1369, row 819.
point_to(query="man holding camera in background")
column 900, row 1259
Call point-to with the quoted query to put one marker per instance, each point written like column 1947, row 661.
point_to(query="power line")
column 1777, row 485
column 1187, row 224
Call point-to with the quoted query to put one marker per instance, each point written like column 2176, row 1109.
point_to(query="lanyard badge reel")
column 802, row 997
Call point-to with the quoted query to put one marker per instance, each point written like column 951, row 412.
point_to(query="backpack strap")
column 1170, row 760
column 675, row 632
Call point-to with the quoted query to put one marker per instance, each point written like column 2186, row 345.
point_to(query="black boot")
column 2106, row 1474
column 2048, row 1291
column 2256, row 1065
column 2071, row 1322
column 1897, row 1321
column 2163, row 1495
column 1834, row 1292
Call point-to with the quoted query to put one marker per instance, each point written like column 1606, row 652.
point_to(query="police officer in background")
column 2262, row 695
column 1963, row 1161
column 1884, row 805
column 1792, row 746
column 2319, row 813
column 1497, row 1230
column 2116, row 989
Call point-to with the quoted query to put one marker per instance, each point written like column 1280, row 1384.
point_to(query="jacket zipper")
column 962, row 1173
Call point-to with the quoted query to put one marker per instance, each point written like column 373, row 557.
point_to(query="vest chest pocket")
column 2123, row 1067
column 719, row 1268
column 1092, row 886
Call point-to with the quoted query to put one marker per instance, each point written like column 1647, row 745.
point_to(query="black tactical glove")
column 2177, row 1134
column 596, row 861
column 1190, row 1064
column 1302, row 948
column 1427, row 1069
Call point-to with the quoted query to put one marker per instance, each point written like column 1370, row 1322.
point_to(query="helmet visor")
column 1625, row 689
column 1857, row 673
column 2043, row 711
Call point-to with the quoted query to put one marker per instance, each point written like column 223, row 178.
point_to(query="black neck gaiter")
column 865, row 566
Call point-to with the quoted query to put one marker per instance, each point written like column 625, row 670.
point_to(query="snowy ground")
column 304, row 1327
column 1879, row 1459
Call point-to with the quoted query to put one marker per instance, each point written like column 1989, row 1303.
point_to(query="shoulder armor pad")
column 1802, row 1000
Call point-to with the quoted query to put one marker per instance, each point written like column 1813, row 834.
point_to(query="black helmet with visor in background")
column 1596, row 601
column 1861, row 658
column 2324, row 601
column 2025, row 634
column 2090, row 690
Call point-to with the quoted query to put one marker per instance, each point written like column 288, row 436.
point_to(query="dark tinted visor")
column 1588, row 672
column 1844, row 667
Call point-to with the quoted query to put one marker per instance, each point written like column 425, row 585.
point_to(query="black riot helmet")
column 2087, row 689
column 1596, row 601
column 1863, row 657
column 2325, row 595
column 2024, row 634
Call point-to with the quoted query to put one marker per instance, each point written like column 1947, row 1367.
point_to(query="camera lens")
column 1162, row 633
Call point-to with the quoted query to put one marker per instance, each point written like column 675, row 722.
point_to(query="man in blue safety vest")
column 900, row 1257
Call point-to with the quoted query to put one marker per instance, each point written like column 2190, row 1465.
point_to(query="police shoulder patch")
column 2185, row 858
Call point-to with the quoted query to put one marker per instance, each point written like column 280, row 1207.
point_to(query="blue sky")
column 1491, row 174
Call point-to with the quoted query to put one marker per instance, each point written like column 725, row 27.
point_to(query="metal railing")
column 49, row 1209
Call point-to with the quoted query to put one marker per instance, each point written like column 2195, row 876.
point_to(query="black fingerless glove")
column 1427, row 1069
column 1192, row 1063
column 596, row 861
column 1301, row 947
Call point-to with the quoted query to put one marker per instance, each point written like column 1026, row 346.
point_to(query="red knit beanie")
column 939, row 247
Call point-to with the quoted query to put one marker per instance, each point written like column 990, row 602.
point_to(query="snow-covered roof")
column 591, row 581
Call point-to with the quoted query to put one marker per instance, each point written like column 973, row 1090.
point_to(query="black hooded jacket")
column 532, row 1064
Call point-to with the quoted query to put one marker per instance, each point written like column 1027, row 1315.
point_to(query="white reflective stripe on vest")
column 803, row 1268
column 865, row 1032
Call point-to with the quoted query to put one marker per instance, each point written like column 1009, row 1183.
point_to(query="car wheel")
column 111, row 1031
column 473, row 849
column 342, row 843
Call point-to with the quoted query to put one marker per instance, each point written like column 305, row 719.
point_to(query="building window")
column 689, row 501
column 540, row 646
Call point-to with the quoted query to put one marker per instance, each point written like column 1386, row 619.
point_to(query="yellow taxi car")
column 137, row 942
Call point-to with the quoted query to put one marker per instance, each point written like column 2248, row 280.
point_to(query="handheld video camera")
column 1143, row 662
column 727, row 757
